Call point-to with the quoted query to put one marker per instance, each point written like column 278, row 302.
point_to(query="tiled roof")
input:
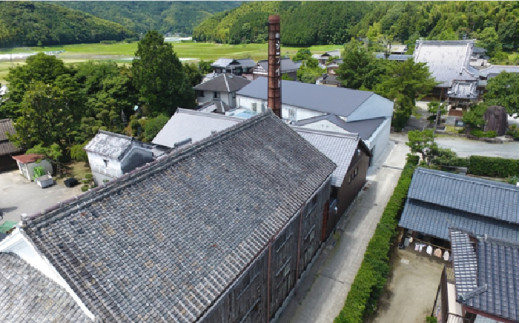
column 464, row 90
column 394, row 57
column 439, row 200
column 497, row 69
column 111, row 145
column 340, row 148
column 223, row 83
column 286, row 65
column 26, row 295
column 447, row 60
column 435, row 220
column 334, row 100
column 225, row 62
column 486, row 280
column 195, row 125
column 164, row 242
column 28, row 158
column 487, row 198
column 6, row 147
column 365, row 128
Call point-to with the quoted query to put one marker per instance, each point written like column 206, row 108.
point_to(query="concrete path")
column 321, row 295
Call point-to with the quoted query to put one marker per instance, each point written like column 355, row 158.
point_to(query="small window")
column 106, row 162
column 253, row 106
column 216, row 95
column 200, row 94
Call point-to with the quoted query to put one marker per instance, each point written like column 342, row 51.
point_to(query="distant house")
column 221, row 231
column 329, row 80
column 28, row 295
column 301, row 101
column 7, row 149
column 438, row 201
column 325, row 57
column 482, row 283
column 222, row 88
column 111, row 155
column 234, row 66
column 28, row 162
column 449, row 63
column 394, row 57
column 493, row 70
column 287, row 68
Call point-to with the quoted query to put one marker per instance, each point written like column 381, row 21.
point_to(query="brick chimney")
column 274, row 79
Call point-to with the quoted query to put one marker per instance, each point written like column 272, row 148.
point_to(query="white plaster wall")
column 300, row 114
column 379, row 140
column 27, row 170
column 100, row 171
column 375, row 106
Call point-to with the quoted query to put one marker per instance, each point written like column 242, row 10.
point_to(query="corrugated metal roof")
column 479, row 196
column 29, row 296
column 165, row 241
column 338, row 101
column 486, row 279
column 340, row 148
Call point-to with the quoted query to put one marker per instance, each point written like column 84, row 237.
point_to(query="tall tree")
column 159, row 77
column 405, row 83
column 502, row 90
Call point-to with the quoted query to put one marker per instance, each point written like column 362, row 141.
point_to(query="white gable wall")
column 379, row 140
column 223, row 96
column 104, row 168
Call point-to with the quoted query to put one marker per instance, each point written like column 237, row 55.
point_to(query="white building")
column 111, row 155
column 222, row 88
column 327, row 108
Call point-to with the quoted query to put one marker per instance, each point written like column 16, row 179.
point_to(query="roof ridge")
column 464, row 178
column 143, row 171
column 114, row 134
column 350, row 135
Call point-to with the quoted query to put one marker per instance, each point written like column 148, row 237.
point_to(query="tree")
column 489, row 40
column 159, row 77
column 53, row 152
column 153, row 126
column 405, row 83
column 309, row 71
column 474, row 118
column 302, row 54
column 502, row 90
column 422, row 142
column 357, row 62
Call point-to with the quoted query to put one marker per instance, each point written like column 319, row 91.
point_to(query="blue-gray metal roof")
column 486, row 280
column 364, row 128
column 164, row 242
column 497, row 69
column 334, row 100
column 479, row 196
column 223, row 83
column 435, row 220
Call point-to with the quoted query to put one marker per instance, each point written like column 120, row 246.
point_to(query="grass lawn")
column 123, row 52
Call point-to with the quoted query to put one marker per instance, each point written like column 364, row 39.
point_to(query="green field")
column 123, row 52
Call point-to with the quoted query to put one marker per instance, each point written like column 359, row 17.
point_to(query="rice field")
column 123, row 53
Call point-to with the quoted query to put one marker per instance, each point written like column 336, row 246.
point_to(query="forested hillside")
column 38, row 24
column 163, row 16
column 312, row 23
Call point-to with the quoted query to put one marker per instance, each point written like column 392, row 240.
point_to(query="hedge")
column 373, row 273
column 493, row 166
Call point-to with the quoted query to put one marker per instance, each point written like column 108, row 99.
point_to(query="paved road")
column 465, row 147
column 323, row 291
column 18, row 195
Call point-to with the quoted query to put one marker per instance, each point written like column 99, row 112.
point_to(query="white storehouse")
column 327, row 108
column 111, row 155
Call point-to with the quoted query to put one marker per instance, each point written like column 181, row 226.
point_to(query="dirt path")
column 411, row 289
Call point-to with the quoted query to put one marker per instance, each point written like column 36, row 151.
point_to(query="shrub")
column 78, row 153
column 372, row 275
column 84, row 188
column 493, row 166
column 513, row 131
column 483, row 134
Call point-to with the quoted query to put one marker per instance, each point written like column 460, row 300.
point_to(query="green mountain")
column 164, row 16
column 319, row 22
column 37, row 24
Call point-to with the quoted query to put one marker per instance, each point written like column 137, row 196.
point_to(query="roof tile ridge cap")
column 226, row 82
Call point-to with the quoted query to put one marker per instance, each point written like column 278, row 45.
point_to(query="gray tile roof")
column 464, row 90
column 435, row 220
column 487, row 198
column 334, row 100
column 496, row 69
column 164, row 242
column 364, row 128
column 195, row 125
column 439, row 200
column 447, row 60
column 394, row 57
column 6, row 147
column 225, row 62
column 340, row 148
column 109, row 144
column 286, row 65
column 26, row 295
column 223, row 83
column 486, row 279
